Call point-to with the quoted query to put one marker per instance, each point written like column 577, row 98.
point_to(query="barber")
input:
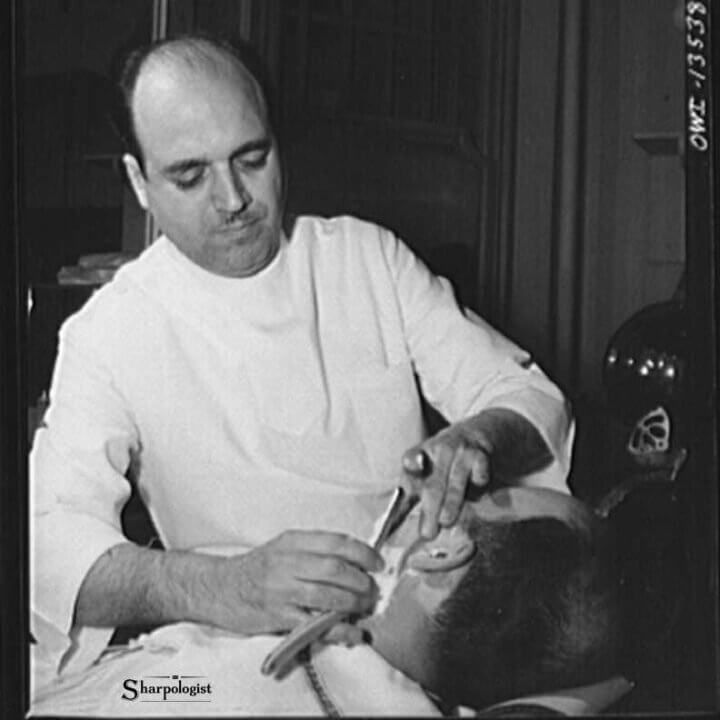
column 308, row 433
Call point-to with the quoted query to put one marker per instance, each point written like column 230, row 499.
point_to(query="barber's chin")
column 250, row 257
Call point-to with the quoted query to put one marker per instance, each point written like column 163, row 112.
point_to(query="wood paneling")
column 634, row 226
column 530, row 234
column 629, row 248
column 390, row 59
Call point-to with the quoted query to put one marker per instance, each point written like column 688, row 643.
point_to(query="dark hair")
column 536, row 611
column 197, row 50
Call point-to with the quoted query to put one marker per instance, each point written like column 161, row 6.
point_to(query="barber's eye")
column 254, row 160
column 186, row 182
column 438, row 554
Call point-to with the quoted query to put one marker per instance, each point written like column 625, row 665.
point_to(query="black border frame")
column 13, row 427
column 702, row 225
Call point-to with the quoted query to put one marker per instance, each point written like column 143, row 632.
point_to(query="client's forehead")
column 505, row 505
column 519, row 503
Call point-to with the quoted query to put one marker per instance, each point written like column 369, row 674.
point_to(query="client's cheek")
column 435, row 587
column 437, row 580
column 400, row 600
column 434, row 590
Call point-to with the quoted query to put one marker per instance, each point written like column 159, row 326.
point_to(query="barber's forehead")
column 172, row 98
column 170, row 79
column 168, row 73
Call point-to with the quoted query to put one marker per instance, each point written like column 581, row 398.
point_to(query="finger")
column 480, row 470
column 293, row 615
column 321, row 542
column 458, row 476
column 433, row 491
column 334, row 571
column 344, row 634
column 316, row 596
column 285, row 619
column 430, row 502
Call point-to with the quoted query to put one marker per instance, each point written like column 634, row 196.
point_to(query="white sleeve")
column 77, row 491
column 464, row 365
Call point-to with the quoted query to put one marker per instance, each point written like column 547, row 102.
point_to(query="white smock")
column 129, row 681
column 246, row 407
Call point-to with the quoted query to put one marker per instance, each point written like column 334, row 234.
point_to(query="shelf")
column 660, row 143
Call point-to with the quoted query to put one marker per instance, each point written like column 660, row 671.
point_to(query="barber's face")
column 213, row 179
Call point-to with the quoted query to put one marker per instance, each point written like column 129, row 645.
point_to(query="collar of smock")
column 219, row 283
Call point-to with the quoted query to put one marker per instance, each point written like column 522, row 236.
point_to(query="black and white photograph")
column 359, row 358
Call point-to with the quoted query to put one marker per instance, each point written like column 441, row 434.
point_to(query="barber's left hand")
column 458, row 455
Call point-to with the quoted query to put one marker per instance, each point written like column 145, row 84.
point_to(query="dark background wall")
column 72, row 196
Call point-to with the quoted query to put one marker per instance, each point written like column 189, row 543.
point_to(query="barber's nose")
column 229, row 192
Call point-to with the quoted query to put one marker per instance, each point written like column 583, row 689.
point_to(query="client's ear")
column 451, row 549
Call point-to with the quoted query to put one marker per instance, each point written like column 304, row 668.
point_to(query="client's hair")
column 536, row 611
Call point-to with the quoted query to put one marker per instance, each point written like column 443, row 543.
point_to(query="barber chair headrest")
column 574, row 702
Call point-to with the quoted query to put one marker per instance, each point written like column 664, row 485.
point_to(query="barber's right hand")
column 274, row 586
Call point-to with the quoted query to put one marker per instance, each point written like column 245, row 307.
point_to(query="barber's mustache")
column 240, row 218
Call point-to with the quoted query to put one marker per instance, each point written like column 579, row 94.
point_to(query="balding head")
column 165, row 65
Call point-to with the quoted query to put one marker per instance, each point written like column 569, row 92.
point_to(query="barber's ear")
column 137, row 179
column 449, row 551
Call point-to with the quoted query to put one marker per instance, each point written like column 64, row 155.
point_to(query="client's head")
column 517, row 598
